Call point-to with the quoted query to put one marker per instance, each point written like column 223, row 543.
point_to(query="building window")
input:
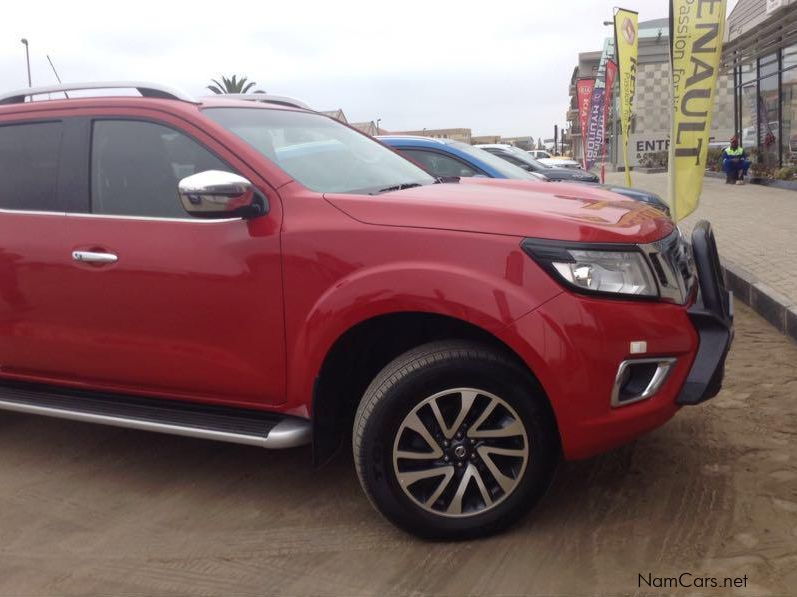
column 789, row 106
column 768, row 125
column 749, row 109
column 790, row 57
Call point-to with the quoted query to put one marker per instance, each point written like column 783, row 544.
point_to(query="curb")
column 776, row 308
column 789, row 185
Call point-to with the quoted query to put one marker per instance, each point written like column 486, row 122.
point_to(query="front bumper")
column 712, row 317
column 574, row 344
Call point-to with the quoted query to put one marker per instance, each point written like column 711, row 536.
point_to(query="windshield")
column 319, row 152
column 496, row 163
column 525, row 156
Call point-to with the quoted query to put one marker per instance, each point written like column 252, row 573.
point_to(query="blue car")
column 448, row 158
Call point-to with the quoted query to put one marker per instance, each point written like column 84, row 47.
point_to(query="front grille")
column 671, row 259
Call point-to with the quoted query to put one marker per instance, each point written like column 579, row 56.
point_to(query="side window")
column 135, row 168
column 29, row 155
column 513, row 160
column 438, row 164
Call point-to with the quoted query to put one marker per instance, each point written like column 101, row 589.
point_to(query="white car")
column 546, row 158
column 749, row 135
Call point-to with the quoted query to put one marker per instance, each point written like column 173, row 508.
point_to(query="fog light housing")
column 639, row 379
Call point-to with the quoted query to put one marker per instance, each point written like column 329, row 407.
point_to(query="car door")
column 34, row 245
column 160, row 302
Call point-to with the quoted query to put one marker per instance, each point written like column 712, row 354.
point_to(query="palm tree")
column 232, row 85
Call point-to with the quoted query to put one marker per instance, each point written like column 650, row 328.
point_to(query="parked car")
column 546, row 158
column 539, row 154
column 523, row 160
column 769, row 133
column 258, row 273
column 559, row 162
column 446, row 157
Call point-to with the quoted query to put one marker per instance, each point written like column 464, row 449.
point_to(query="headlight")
column 596, row 269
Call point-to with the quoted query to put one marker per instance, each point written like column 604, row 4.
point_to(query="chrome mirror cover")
column 219, row 194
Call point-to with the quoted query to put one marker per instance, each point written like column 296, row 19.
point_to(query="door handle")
column 94, row 257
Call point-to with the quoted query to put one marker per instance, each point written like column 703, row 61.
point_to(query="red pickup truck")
column 255, row 272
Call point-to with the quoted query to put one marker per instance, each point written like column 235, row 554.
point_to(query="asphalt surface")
column 86, row 510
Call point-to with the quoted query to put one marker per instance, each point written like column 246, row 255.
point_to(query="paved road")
column 756, row 226
column 87, row 509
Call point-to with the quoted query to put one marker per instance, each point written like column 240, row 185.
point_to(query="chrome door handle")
column 94, row 257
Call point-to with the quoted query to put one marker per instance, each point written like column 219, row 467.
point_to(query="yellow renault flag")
column 696, row 29
column 626, row 41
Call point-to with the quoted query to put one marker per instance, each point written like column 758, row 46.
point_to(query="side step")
column 239, row 426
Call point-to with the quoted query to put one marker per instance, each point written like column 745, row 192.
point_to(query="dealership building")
column 650, row 125
column 760, row 57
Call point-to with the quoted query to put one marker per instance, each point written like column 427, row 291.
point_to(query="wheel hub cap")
column 460, row 452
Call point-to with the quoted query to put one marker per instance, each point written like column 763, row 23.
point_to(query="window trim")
column 61, row 207
column 90, row 121
column 190, row 220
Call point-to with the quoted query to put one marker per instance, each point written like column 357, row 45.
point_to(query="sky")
column 498, row 69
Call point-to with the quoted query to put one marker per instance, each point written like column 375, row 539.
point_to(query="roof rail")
column 145, row 89
column 265, row 98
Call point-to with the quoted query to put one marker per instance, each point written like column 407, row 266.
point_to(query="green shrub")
column 762, row 171
column 785, row 173
column 714, row 160
column 656, row 159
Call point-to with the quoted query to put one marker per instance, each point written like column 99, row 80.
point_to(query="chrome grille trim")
column 672, row 263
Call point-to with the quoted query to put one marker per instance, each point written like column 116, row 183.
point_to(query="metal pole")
column 780, row 108
column 27, row 59
column 555, row 135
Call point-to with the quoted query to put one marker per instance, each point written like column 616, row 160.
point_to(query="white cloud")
column 495, row 67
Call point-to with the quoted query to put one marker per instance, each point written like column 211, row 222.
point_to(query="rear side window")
column 136, row 166
column 505, row 155
column 29, row 155
column 438, row 164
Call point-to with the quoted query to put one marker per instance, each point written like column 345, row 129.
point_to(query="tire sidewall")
column 494, row 376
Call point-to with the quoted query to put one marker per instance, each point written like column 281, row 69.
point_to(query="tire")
column 404, row 471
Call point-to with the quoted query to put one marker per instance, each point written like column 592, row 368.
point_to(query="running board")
column 238, row 426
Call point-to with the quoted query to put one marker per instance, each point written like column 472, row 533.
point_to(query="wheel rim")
column 460, row 452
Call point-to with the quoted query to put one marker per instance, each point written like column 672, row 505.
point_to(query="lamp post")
column 27, row 59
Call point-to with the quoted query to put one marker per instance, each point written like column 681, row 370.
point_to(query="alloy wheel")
column 460, row 452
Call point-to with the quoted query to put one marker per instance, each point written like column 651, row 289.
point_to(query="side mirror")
column 218, row 194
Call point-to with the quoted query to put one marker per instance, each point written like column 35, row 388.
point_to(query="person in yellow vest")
column 734, row 163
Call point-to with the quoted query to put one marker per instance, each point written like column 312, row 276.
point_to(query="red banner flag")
column 611, row 72
column 583, row 96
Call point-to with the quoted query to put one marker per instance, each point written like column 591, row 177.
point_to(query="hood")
column 632, row 193
column 640, row 195
column 555, row 173
column 521, row 208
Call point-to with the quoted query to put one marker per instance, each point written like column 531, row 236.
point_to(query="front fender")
column 488, row 299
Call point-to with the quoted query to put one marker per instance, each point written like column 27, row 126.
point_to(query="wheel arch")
column 360, row 352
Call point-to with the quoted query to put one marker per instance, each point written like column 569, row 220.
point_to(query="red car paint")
column 250, row 308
